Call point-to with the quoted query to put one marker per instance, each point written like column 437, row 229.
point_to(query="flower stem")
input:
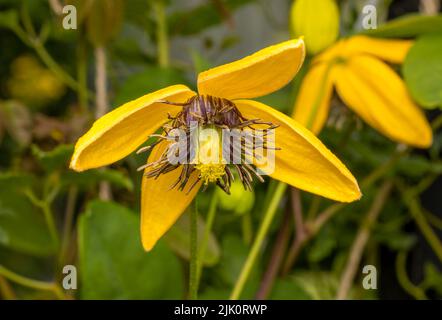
column 45, row 207
column 102, row 102
column 277, row 255
column 257, row 244
column 203, row 244
column 402, row 277
column 361, row 240
column 193, row 276
column 6, row 291
column 162, row 36
column 418, row 215
column 31, row 283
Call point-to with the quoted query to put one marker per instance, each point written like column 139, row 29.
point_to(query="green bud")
column 317, row 21
column 239, row 201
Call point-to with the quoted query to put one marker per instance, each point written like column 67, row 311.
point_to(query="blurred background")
column 53, row 84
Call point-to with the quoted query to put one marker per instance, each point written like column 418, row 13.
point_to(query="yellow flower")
column 366, row 85
column 302, row 161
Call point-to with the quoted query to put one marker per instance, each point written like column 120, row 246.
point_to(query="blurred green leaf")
column 147, row 81
column 318, row 285
column 57, row 158
column 233, row 255
column 22, row 226
column 184, row 23
column 423, row 70
column 322, row 246
column 408, row 26
column 417, row 166
column 432, row 278
column 89, row 178
column 9, row 19
column 102, row 18
column 113, row 263
column 16, row 119
column 15, row 181
column 179, row 240
column 200, row 63
column 288, row 289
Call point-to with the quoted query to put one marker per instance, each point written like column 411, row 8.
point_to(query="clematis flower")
column 167, row 189
column 367, row 85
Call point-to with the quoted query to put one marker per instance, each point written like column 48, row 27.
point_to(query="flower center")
column 210, row 137
column 210, row 172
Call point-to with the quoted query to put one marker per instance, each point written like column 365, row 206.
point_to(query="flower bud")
column 239, row 201
column 317, row 21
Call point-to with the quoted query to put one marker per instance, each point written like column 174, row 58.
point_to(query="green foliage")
column 90, row 178
column 55, row 159
column 178, row 239
column 146, row 81
column 408, row 26
column 423, row 70
column 113, row 264
column 22, row 226
column 50, row 215
column 184, row 23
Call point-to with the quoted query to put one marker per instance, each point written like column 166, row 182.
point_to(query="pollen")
column 210, row 172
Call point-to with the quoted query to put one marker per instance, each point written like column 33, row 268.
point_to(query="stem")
column 418, row 215
column 361, row 240
column 278, row 250
column 161, row 32
column 82, row 74
column 257, row 244
column 100, row 82
column 102, row 104
column 301, row 235
column 406, row 284
column 193, row 277
column 31, row 283
column 47, row 212
column 203, row 245
column 68, row 221
column 6, row 290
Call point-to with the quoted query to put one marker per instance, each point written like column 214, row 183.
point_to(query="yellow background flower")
column 367, row 85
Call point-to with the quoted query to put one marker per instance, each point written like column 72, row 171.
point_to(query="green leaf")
column 185, row 23
column 90, row 178
column 417, row 166
column 15, row 181
column 234, row 253
column 179, row 240
column 9, row 19
column 113, row 263
column 288, row 289
column 57, row 158
column 433, row 277
column 22, row 226
column 422, row 71
column 318, row 285
column 323, row 246
column 408, row 26
column 149, row 80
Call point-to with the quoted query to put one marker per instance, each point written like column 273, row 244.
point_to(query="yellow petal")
column 160, row 205
column 256, row 75
column 393, row 51
column 313, row 101
column 303, row 161
column 121, row 131
column 374, row 91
